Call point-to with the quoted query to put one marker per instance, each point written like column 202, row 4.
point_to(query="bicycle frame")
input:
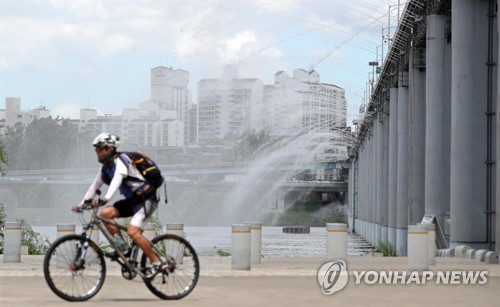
column 100, row 223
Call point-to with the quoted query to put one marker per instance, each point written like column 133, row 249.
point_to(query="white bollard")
column 491, row 257
column 418, row 255
column 431, row 242
column 255, row 242
column 336, row 241
column 95, row 235
column 12, row 242
column 64, row 230
column 177, row 229
column 240, row 247
column 461, row 250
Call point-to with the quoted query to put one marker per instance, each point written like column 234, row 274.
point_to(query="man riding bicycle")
column 140, row 198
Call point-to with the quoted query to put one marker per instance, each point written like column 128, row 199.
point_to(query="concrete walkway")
column 275, row 282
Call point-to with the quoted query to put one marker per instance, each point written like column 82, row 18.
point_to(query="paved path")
column 275, row 282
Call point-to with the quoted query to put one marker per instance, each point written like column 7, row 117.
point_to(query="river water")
column 275, row 243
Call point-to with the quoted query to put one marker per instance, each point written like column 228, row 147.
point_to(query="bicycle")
column 75, row 269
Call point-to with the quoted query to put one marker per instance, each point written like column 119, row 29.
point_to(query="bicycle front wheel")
column 74, row 268
column 180, row 274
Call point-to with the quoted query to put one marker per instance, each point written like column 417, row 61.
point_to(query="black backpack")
column 147, row 167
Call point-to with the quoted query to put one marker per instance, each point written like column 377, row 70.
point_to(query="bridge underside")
column 429, row 140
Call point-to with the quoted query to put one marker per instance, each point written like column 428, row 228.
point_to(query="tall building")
column 303, row 103
column 170, row 97
column 244, row 107
column 160, row 125
column 209, row 111
column 291, row 105
column 229, row 105
column 192, row 126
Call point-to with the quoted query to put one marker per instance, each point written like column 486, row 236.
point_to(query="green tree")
column 42, row 144
column 253, row 142
column 37, row 243
column 3, row 159
column 11, row 141
column 2, row 226
column 52, row 141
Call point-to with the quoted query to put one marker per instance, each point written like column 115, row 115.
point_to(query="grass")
column 386, row 249
column 222, row 252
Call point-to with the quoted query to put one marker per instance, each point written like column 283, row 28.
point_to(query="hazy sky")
column 72, row 54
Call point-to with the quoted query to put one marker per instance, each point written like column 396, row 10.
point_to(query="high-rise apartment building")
column 209, row 111
column 244, row 107
column 192, row 126
column 170, row 96
column 303, row 103
column 229, row 105
column 289, row 106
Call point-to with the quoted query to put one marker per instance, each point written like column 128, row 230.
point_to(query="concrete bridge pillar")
column 497, row 220
column 373, row 180
column 384, row 190
column 362, row 188
column 351, row 178
column 438, row 120
column 366, row 192
column 361, row 193
column 416, row 150
column 368, row 180
column 378, row 171
column 468, row 123
column 393, row 165
column 402, row 175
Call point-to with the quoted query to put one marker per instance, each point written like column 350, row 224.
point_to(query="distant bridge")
column 253, row 179
column 274, row 192
column 301, row 186
column 182, row 169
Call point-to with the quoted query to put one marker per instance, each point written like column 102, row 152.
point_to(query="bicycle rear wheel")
column 73, row 272
column 179, row 277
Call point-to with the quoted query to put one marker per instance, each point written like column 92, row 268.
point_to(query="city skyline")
column 99, row 55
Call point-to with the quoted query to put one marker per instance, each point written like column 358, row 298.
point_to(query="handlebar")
column 87, row 204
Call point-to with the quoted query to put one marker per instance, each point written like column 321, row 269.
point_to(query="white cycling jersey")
column 121, row 172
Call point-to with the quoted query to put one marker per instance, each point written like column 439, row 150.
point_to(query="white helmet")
column 106, row 139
